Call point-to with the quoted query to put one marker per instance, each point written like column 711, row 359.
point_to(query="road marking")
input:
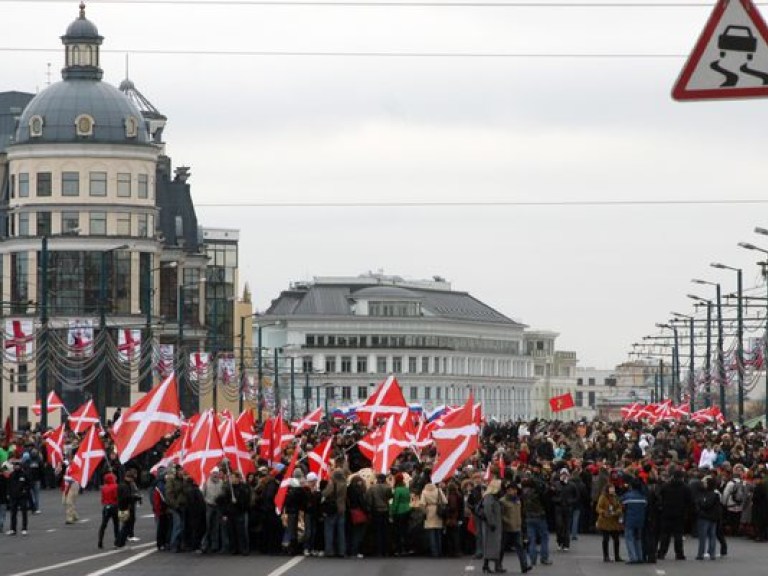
column 280, row 570
column 125, row 562
column 469, row 568
column 661, row 572
column 74, row 561
column 148, row 516
column 83, row 521
column 51, row 530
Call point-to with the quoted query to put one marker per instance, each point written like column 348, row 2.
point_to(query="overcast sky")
column 370, row 129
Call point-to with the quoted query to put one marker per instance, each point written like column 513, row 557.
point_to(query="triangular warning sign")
column 730, row 59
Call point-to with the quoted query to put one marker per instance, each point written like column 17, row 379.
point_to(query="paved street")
column 54, row 549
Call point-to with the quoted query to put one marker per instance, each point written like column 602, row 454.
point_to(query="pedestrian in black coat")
column 676, row 504
column 18, row 495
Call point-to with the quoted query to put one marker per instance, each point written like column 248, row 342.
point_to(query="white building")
column 347, row 334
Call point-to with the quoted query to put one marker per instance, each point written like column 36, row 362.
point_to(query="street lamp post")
column 708, row 351
column 691, row 358
column 720, row 352
column 674, row 392
column 180, row 336
column 43, row 371
column 739, row 336
column 765, row 337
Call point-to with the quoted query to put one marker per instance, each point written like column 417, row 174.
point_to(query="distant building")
column 346, row 334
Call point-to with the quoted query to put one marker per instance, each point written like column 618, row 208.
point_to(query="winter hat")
column 311, row 477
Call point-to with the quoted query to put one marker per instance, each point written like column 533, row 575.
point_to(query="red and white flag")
column 455, row 441
column 282, row 492
column 89, row 454
column 275, row 436
column 54, row 446
column 630, row 412
column 320, row 459
column 143, row 425
column 199, row 362
column 129, row 345
column 172, row 455
column 367, row 444
column 392, row 442
column 246, row 424
column 205, row 450
column 309, row 421
column 234, row 447
column 419, row 438
column 19, row 340
column 387, row 400
column 80, row 338
column 54, row 403
column 83, row 418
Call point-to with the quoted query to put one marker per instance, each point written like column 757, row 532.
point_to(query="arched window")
column 84, row 125
column 131, row 127
column 36, row 126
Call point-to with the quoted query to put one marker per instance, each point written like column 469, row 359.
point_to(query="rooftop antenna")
column 48, row 74
column 126, row 66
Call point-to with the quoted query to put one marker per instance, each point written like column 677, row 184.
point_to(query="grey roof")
column 11, row 106
column 336, row 300
column 61, row 103
column 82, row 28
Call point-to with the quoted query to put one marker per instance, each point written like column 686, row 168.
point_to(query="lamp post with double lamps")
column 749, row 246
column 675, row 392
column 707, row 351
column 180, row 288
column 691, row 355
column 720, row 352
column 739, row 335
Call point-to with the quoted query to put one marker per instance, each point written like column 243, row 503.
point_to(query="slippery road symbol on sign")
column 730, row 59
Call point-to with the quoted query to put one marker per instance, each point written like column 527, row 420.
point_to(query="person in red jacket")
column 109, row 506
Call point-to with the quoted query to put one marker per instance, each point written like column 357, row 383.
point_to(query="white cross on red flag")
column 54, row 446
column 387, row 400
column 393, row 441
column 456, row 441
column 308, row 422
column 234, row 447
column 89, row 454
column 320, row 459
column 204, row 449
column 274, row 437
column 171, row 456
column 19, row 340
column 54, row 403
column 245, row 424
column 83, row 418
column 142, row 425
column 282, row 492
column 367, row 444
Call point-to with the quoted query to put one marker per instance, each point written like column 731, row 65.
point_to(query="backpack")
column 739, row 493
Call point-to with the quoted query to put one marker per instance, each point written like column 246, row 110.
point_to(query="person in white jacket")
column 707, row 458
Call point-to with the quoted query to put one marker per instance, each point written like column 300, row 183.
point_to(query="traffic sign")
column 730, row 59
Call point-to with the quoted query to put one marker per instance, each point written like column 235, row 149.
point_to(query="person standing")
column 566, row 496
column 609, row 516
column 69, row 499
column 235, row 499
column 635, row 504
column 212, row 488
column 335, row 509
column 18, row 494
column 378, row 497
column 675, row 505
column 311, row 513
column 432, row 501
column 492, row 527
column 34, row 467
column 400, row 510
column 534, row 501
column 709, row 511
column 5, row 474
column 177, row 503
column 108, row 507
column 358, row 514
column 734, row 498
column 512, row 520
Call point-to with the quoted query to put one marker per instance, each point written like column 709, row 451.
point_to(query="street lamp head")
column 705, row 282
column 719, row 266
column 763, row 231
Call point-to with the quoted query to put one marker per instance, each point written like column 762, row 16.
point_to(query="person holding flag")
column 334, row 506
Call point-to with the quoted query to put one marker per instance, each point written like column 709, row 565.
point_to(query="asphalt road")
column 54, row 549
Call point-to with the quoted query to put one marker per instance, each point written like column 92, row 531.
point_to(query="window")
column 43, row 223
column 425, row 365
column 412, row 363
column 70, row 221
column 591, row 399
column 70, row 183
column 539, row 345
column 98, row 224
column 436, row 365
column 362, row 364
column 346, row 364
column 362, row 392
column 306, row 364
column 413, row 393
column 330, row 364
column 310, row 340
column 36, row 126
column 143, row 226
column 427, row 393
column 397, row 364
column 131, row 127
column 346, row 392
column 44, row 187
column 84, row 125
column 23, row 184
column 538, row 370
column 610, row 382
column 143, row 186
column 438, row 393
column 381, row 364
column 24, row 224
column 591, row 381
column 579, row 400
column 123, row 224
column 579, row 381
column 98, row 184
column 123, row 185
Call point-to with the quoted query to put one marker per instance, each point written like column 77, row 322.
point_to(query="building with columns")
column 102, row 257
column 347, row 334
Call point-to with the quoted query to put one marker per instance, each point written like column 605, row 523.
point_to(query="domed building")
column 85, row 250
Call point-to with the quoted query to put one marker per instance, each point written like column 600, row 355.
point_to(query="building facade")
column 347, row 334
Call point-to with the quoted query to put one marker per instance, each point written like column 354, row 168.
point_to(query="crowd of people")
column 530, row 483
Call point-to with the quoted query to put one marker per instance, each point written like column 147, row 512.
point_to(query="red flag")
column 387, row 400
column 8, row 429
column 235, row 449
column 456, row 442
column 245, row 424
column 392, row 442
column 83, row 418
column 420, row 437
column 265, row 442
column 54, row 444
column 89, row 454
column 54, row 403
column 471, row 525
column 502, row 467
column 142, row 425
column 171, row 456
column 563, row 402
column 308, row 422
column 631, row 412
column 367, row 444
column 320, row 459
column 274, row 437
column 205, row 449
column 282, row 492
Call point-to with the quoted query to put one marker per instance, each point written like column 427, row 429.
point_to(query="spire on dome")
column 81, row 43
